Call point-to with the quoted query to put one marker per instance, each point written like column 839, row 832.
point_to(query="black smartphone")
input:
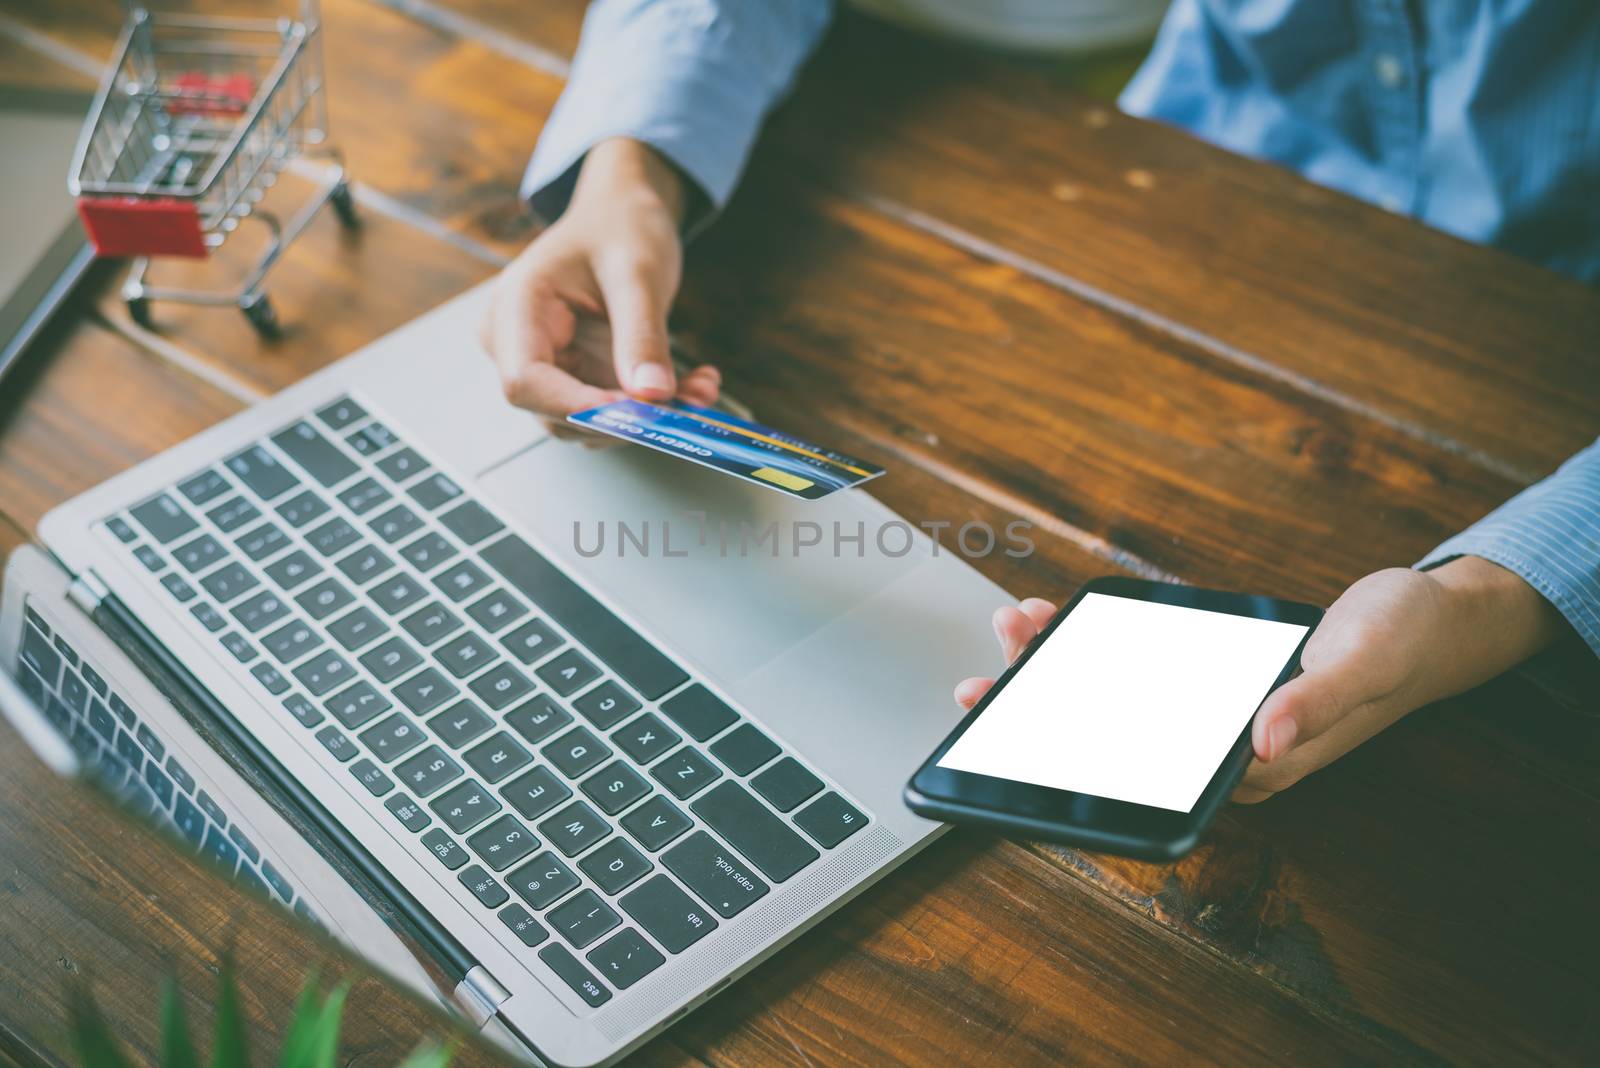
column 1124, row 725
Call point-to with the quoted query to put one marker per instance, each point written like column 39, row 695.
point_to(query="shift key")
column 711, row 870
column 750, row 827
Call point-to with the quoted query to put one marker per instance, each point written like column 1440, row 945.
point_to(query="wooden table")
column 1172, row 361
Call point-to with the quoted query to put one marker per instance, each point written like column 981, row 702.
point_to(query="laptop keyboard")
column 128, row 757
column 552, row 763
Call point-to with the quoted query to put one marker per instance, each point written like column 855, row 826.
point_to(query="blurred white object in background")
column 1055, row 26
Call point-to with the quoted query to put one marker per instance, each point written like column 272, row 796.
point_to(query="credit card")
column 731, row 445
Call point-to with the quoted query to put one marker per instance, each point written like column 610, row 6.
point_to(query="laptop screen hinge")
column 480, row 995
column 87, row 591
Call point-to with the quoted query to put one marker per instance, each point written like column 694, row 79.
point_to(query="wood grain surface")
column 1171, row 361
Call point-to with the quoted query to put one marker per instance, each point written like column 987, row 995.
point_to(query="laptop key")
column 500, row 685
column 270, row 678
column 428, row 771
column 333, row 537
column 239, row 646
column 391, row 659
column 583, row 918
column 443, row 847
column 372, row 777
column 830, row 819
column 434, row 491
column 543, row 880
column 471, row 522
column 302, row 508
column 119, row 527
column 372, row 438
column 497, row 757
column 396, row 524
column 191, row 824
column 607, row 705
column 672, row 917
column 575, row 828
column 751, row 828
column 221, row 851
column 324, row 599
column 199, row 554
column 323, row 672
column 531, row 641
column 538, row 718
column 495, row 609
column 721, row 878
column 93, row 678
column 575, row 975
column 646, row 738
column 38, row 654
column 149, row 558
column 342, row 748
column 356, row 628
column 280, row 886
column 258, row 612
column 431, row 623
column 392, row 738
column 74, row 693
column 685, row 773
column 179, row 589
column 233, row 514
column 625, row 958
column 408, row 812
column 502, row 843
column 263, row 541
column 341, row 413
column 464, row 654
column 424, row 691
column 535, row 792
column 488, row 892
column 699, row 712
column 164, row 518
column 261, row 471
column 229, row 581
column 523, row 925
column 428, row 552
column 397, row 593
column 786, row 784
column 207, row 485
column 291, row 570
column 460, row 724
column 615, row 787
column 656, row 823
column 365, row 564
column 568, row 672
column 402, row 464
column 461, row 580
column 744, row 749
column 321, row 458
column 638, row 663
column 615, row 866
column 304, row 712
column 291, row 641
column 464, row 806
column 364, row 496
column 576, row 752
column 358, row 704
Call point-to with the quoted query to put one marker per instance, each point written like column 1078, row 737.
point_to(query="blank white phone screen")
column 1130, row 700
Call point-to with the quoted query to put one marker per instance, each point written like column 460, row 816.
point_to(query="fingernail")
column 653, row 377
column 1280, row 736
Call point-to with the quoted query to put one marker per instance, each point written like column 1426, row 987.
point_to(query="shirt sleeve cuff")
column 1549, row 536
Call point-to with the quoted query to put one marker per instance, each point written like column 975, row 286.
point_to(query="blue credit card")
column 732, row 445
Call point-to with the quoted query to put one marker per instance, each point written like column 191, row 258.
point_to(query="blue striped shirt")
column 1479, row 117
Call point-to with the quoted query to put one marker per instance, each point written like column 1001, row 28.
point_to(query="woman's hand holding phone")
column 1393, row 642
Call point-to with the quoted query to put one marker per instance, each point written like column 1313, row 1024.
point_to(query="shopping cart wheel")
column 344, row 204
column 139, row 312
column 262, row 317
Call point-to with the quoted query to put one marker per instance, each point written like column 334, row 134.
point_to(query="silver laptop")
column 603, row 729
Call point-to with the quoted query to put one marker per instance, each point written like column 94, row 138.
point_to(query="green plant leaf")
column 230, row 1046
column 177, row 1051
column 325, row 1047
column 429, row 1055
column 299, row 1038
column 90, row 1033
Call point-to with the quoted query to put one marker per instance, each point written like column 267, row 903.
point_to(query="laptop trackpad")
column 680, row 548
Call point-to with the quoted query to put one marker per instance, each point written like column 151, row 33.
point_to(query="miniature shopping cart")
column 192, row 124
